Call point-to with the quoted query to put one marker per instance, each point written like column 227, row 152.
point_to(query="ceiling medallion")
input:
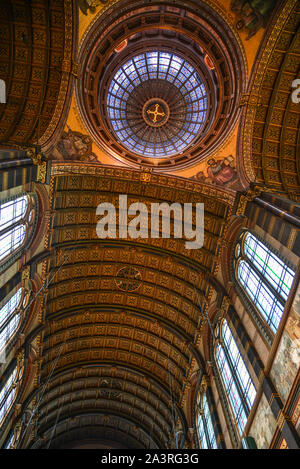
column 156, row 112
column 128, row 279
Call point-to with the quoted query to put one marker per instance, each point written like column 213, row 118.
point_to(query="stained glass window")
column 235, row 376
column 206, row 434
column 13, row 228
column 266, row 279
column 10, row 388
column 12, row 211
column 8, row 395
column 189, row 102
column 9, row 318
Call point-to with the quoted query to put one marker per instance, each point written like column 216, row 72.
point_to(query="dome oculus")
column 156, row 104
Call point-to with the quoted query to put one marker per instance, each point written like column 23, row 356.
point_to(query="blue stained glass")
column 177, row 83
column 165, row 66
column 266, row 279
column 161, row 76
column 136, row 82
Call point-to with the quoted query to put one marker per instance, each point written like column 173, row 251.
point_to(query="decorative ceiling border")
column 222, row 195
column 211, row 3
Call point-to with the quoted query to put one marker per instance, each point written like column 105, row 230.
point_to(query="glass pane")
column 11, row 240
column 268, row 305
column 12, row 211
column 209, row 424
column 9, row 308
column 277, row 273
column 201, row 432
column 7, row 395
column 233, row 370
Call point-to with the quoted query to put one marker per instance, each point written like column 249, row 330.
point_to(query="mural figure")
column 252, row 15
column 221, row 171
column 74, row 146
column 90, row 5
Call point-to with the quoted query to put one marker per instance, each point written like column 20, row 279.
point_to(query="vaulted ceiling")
column 270, row 133
column 123, row 318
column 37, row 44
column 123, row 345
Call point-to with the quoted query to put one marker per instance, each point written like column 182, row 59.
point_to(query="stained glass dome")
column 156, row 104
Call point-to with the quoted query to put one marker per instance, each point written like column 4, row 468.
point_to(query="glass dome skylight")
column 156, row 104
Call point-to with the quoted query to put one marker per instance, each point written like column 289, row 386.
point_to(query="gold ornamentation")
column 273, row 396
column 213, row 193
column 244, row 199
column 146, row 175
column 20, row 358
column 26, row 273
column 283, row 444
column 37, row 159
column 75, row 71
column 156, row 112
column 204, row 384
column 224, row 306
column 281, row 419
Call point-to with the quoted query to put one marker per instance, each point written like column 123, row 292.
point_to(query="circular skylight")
column 156, row 104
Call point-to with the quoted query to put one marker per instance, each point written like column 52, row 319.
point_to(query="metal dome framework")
column 156, row 104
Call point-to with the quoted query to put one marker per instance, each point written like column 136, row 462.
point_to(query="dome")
column 156, row 104
column 157, row 92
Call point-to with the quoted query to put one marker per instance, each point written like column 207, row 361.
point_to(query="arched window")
column 235, row 376
column 11, row 315
column 205, row 430
column 264, row 276
column 10, row 389
column 17, row 219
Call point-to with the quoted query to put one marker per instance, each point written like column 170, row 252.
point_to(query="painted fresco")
column 287, row 360
column 74, row 146
column 90, row 6
column 252, row 15
column 221, row 172
column 264, row 425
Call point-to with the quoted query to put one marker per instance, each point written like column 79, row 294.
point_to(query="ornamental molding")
column 221, row 195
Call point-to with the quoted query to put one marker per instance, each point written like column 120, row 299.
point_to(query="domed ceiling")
column 156, row 104
column 160, row 86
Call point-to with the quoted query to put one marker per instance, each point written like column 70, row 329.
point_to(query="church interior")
column 139, row 342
